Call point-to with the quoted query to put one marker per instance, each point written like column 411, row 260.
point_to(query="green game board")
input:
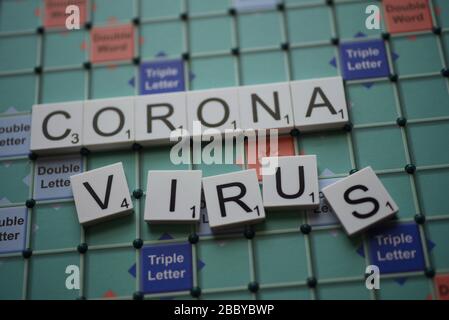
column 280, row 258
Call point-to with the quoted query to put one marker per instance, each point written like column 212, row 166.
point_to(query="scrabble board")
column 398, row 100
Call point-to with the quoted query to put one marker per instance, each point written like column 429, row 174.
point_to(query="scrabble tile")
column 168, row 113
column 266, row 106
column 360, row 201
column 396, row 248
column 161, row 76
column 108, row 123
column 364, row 59
column 57, row 127
column 233, row 199
column 407, row 15
column 101, row 194
column 173, row 196
column 319, row 104
column 214, row 109
column 203, row 228
column 112, row 43
column 292, row 182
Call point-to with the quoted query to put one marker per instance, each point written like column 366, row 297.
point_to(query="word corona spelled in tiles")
column 307, row 105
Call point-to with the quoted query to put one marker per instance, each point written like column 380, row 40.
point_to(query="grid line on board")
column 311, row 274
column 349, row 133
column 235, row 44
column 216, row 14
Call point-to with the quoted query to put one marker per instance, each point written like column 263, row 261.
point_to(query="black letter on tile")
column 219, row 123
column 276, row 114
column 163, row 118
column 236, row 198
column 120, row 125
column 103, row 205
column 173, row 194
column 301, row 184
column 326, row 103
column 361, row 200
column 45, row 126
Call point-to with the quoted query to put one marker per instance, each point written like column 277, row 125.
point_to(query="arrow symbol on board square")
column 327, row 172
column 430, row 245
column 161, row 54
column 4, row 200
column 401, row 281
column 360, row 251
column 26, row 180
column 165, row 236
column 359, row 34
column 368, row 85
column 334, row 233
column 109, row 294
column 132, row 82
column 7, row 163
column 11, row 110
column 394, row 56
column 221, row 243
column 132, row 270
column 112, row 20
column 333, row 62
column 192, row 76
column 200, row 264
